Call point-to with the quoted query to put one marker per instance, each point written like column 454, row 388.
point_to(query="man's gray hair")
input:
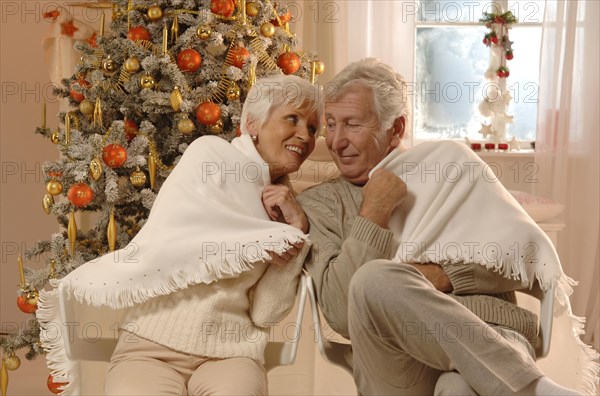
column 276, row 90
column 389, row 89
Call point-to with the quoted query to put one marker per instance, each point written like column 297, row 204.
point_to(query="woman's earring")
column 254, row 138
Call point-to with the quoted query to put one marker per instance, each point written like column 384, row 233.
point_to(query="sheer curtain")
column 567, row 147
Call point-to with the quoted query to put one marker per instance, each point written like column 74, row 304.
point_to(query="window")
column 451, row 61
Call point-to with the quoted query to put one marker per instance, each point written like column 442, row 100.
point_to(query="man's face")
column 354, row 135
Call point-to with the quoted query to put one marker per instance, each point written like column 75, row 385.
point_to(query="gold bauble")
column 319, row 67
column 109, row 65
column 186, row 126
column 154, row 13
column 12, row 362
column 267, row 29
column 233, row 92
column 54, row 138
column 217, row 127
column 204, row 32
column 54, row 187
column 132, row 64
column 47, row 203
column 86, row 107
column 137, row 177
column 147, row 81
column 252, row 9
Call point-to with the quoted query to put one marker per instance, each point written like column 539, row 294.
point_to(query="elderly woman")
column 210, row 271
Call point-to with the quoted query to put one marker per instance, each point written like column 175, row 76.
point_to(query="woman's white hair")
column 272, row 91
column 389, row 90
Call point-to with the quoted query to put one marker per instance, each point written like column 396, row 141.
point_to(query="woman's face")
column 287, row 138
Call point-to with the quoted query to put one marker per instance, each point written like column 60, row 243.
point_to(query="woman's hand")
column 281, row 206
column 282, row 259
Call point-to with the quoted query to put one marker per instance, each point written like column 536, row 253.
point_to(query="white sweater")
column 227, row 318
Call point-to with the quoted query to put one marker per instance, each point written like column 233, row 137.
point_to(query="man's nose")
column 339, row 140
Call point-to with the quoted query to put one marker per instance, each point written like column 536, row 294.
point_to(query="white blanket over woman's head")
column 457, row 210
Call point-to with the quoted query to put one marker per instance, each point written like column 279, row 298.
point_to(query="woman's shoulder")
column 211, row 147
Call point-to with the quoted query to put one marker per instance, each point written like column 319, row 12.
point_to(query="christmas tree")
column 164, row 74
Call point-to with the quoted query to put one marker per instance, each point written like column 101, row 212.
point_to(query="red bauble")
column 189, row 60
column 27, row 303
column 208, row 113
column 114, row 155
column 509, row 55
column 80, row 195
column 486, row 41
column 238, row 56
column 138, row 33
column 222, row 7
column 288, row 62
column 494, row 39
column 54, row 387
column 131, row 130
column 79, row 97
column 284, row 18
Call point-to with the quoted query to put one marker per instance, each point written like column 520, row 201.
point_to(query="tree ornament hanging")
column 86, row 107
column 111, row 231
column 81, row 84
column 55, row 387
column 217, row 127
column 152, row 170
column 154, row 13
column 252, row 9
column 72, row 232
column 12, row 362
column 28, row 301
column 131, row 129
column 80, row 194
column 55, row 137
column 137, row 33
column 267, row 29
column 175, row 99
column 203, row 32
column 185, row 126
column 147, row 81
column 114, row 155
column 54, row 187
column 132, row 64
column 137, row 177
column 96, row 168
column 189, row 60
column 238, row 56
column 109, row 65
column 47, row 203
column 289, row 62
column 208, row 113
column 283, row 18
column 233, row 92
column 224, row 8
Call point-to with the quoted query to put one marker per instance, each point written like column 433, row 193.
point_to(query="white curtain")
column 567, row 146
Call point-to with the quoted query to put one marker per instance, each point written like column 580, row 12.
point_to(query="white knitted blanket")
column 458, row 211
column 207, row 223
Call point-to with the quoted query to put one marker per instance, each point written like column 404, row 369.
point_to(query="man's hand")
column 281, row 206
column 382, row 194
column 435, row 274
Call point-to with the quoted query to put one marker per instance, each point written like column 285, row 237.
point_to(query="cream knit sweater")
column 228, row 318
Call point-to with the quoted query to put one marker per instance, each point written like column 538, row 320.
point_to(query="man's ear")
column 398, row 131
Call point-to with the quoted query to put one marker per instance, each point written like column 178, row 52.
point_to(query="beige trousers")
column 142, row 367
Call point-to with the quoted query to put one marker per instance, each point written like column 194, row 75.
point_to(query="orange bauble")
column 138, row 33
column 80, row 194
column 284, row 18
column 114, row 155
column 222, row 7
column 54, row 387
column 27, row 302
column 238, row 56
column 131, row 130
column 208, row 113
column 288, row 62
column 189, row 60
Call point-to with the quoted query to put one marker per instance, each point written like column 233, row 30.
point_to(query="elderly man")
column 416, row 329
